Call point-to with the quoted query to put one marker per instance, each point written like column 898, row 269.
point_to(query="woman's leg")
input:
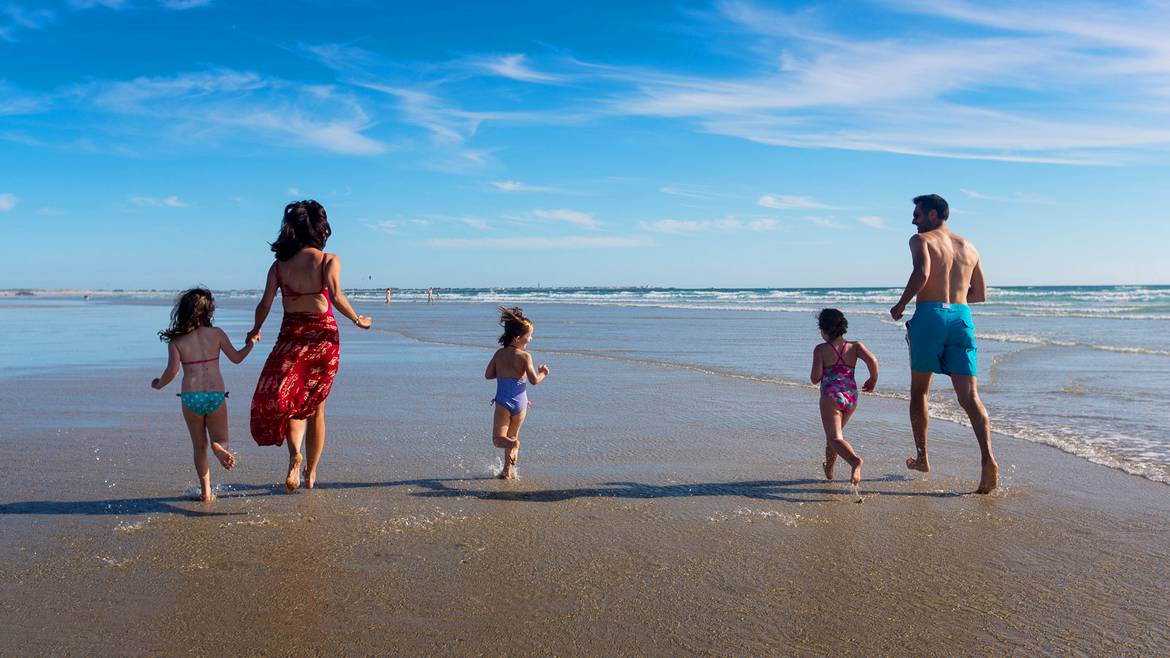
column 217, row 429
column 198, row 430
column 314, row 445
column 296, row 436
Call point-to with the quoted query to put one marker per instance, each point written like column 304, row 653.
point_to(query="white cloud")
column 421, row 222
column 1018, row 197
column 872, row 221
column 687, row 226
column 566, row 242
column 515, row 68
column 90, row 4
column 567, row 215
column 691, row 191
column 294, row 191
column 158, row 202
column 385, row 226
column 517, row 186
column 8, row 202
column 180, row 5
column 18, row 18
column 788, row 202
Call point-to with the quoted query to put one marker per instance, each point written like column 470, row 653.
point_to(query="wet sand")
column 660, row 510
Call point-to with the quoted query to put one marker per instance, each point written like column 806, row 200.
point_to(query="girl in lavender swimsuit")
column 510, row 366
column 834, row 365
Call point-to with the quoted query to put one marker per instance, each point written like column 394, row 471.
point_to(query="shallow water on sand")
column 670, row 502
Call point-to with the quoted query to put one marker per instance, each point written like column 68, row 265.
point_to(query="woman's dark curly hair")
column 304, row 225
column 193, row 309
column 832, row 322
column 514, row 323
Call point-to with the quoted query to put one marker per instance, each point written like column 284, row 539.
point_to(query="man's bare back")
column 953, row 271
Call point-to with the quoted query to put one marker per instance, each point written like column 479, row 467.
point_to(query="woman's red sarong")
column 297, row 376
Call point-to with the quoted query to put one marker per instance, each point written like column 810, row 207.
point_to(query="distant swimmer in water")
column 387, row 295
column 947, row 276
column 511, row 367
column 195, row 344
column 430, row 296
column 834, row 365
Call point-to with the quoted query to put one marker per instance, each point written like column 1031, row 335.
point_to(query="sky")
column 154, row 143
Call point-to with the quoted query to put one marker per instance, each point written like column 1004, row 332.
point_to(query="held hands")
column 363, row 322
column 897, row 310
column 253, row 337
column 869, row 385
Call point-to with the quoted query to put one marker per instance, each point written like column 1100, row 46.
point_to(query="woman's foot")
column 855, row 476
column 294, row 473
column 226, row 459
column 310, row 478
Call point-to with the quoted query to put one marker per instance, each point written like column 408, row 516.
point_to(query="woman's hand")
column 363, row 322
column 156, row 383
column 253, row 337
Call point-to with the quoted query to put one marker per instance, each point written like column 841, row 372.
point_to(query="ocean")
column 1085, row 369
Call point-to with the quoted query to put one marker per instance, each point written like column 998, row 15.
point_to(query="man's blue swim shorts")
column 942, row 339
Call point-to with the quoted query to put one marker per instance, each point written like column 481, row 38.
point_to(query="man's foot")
column 855, row 476
column 827, row 466
column 226, row 459
column 918, row 464
column 989, row 480
column 310, row 478
column 294, row 473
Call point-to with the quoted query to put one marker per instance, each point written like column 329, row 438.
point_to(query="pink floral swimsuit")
column 838, row 383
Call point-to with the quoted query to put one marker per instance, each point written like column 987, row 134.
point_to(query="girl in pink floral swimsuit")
column 834, row 363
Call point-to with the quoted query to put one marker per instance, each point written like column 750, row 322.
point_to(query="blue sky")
column 154, row 143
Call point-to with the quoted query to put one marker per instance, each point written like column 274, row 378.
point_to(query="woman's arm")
column 172, row 368
column 265, row 304
column 230, row 350
column 535, row 375
column 333, row 283
column 817, row 369
column 871, row 363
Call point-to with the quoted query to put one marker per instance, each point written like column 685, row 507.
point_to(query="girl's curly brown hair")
column 193, row 309
column 514, row 323
column 832, row 322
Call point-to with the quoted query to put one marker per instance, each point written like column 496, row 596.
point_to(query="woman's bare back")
column 303, row 277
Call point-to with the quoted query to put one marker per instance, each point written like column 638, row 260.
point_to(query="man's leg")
column 919, row 418
column 967, row 391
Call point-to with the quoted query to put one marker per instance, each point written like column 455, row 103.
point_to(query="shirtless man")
column 947, row 276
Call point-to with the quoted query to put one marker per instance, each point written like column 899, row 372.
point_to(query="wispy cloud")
column 385, row 226
column 14, row 18
column 688, row 226
column 90, row 4
column 517, row 186
column 564, row 242
column 577, row 217
column 158, row 202
column 873, row 221
column 8, row 201
column 1018, row 197
column 789, row 202
column 691, row 191
column 514, row 67
column 180, row 5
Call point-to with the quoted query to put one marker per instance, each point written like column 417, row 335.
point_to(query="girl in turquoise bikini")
column 834, row 364
column 195, row 344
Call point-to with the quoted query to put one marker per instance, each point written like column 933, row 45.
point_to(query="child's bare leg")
column 501, row 421
column 217, row 429
column 513, row 450
column 833, row 420
column 314, row 445
column 198, row 430
column 296, row 436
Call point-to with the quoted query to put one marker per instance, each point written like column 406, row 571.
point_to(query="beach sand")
column 661, row 510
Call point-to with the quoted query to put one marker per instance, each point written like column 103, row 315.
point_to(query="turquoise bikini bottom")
column 203, row 402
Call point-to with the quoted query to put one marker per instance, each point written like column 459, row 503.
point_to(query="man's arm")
column 978, row 290
column 918, row 278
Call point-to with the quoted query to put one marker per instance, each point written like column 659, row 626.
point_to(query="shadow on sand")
column 790, row 491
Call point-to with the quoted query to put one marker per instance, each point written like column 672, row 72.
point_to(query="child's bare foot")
column 989, row 480
column 207, row 495
column 226, row 459
column 828, row 468
column 917, row 464
column 294, row 473
column 855, row 476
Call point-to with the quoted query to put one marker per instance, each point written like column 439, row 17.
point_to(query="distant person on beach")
column 387, row 295
column 430, row 296
column 195, row 344
column 833, row 367
column 289, row 402
column 510, row 366
column 947, row 276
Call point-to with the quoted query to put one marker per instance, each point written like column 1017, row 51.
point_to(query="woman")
column 289, row 402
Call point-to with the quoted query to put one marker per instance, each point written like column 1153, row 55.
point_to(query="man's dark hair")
column 934, row 202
